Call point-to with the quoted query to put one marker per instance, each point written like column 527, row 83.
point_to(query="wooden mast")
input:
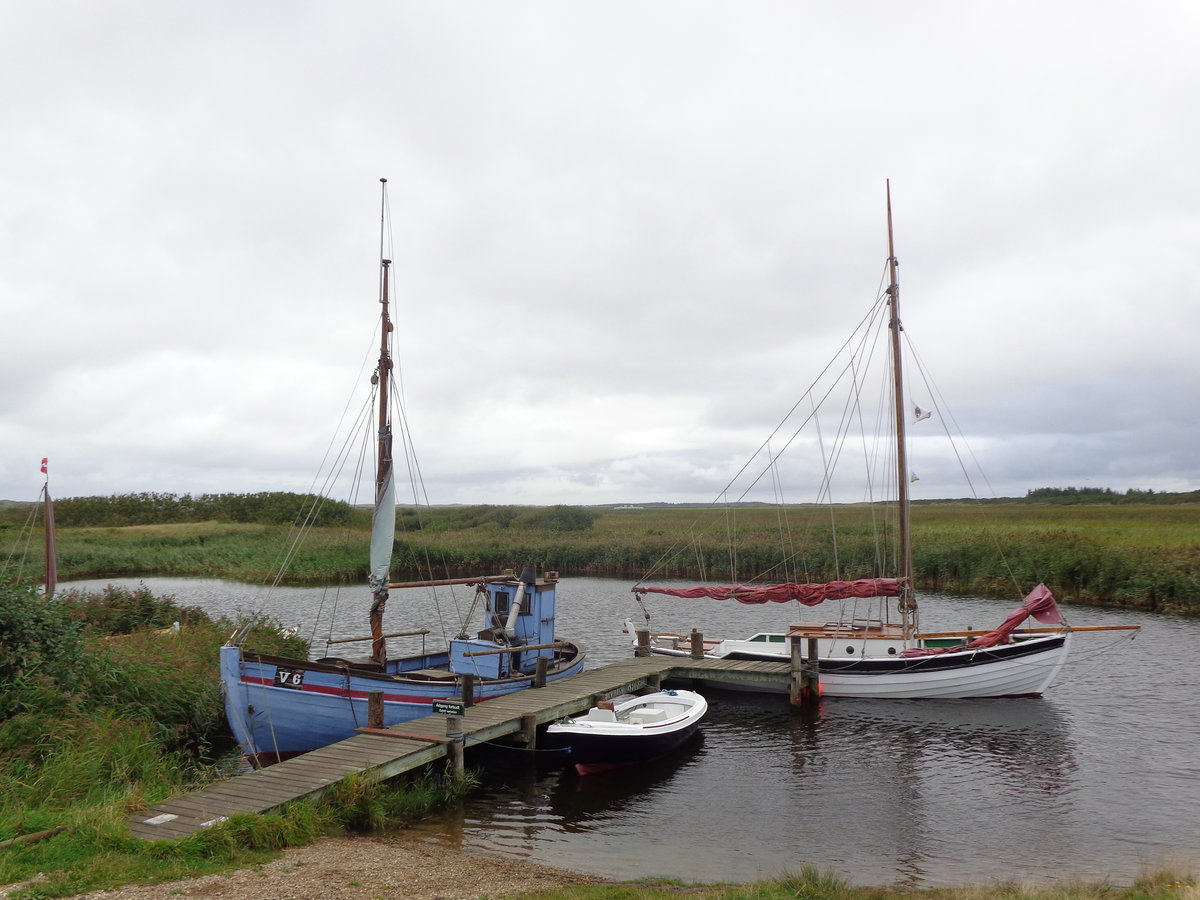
column 384, row 475
column 908, row 601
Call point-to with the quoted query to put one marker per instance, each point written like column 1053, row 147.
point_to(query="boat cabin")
column 520, row 626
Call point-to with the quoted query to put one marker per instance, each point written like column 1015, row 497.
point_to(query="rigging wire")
column 745, row 479
column 400, row 422
column 20, row 552
column 951, row 428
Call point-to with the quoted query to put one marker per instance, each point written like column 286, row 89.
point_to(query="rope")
column 519, row 749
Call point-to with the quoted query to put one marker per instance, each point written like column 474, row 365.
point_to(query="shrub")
column 40, row 645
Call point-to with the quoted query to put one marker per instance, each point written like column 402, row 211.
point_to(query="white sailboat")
column 875, row 648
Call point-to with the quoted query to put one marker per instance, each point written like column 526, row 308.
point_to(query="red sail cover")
column 1039, row 604
column 808, row 594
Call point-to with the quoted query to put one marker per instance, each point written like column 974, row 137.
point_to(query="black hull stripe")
column 602, row 749
column 941, row 662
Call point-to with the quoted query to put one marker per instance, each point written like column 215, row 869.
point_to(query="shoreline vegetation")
column 1138, row 550
column 105, row 709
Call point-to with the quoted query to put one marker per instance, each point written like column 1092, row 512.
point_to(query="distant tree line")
column 1073, row 495
column 266, row 508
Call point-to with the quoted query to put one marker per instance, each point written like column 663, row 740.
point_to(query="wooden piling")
column 454, row 734
column 539, row 672
column 468, row 689
column 697, row 644
column 643, row 643
column 796, row 679
column 375, row 709
column 804, row 685
column 529, row 731
column 812, row 679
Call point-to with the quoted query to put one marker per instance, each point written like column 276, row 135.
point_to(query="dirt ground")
column 366, row 868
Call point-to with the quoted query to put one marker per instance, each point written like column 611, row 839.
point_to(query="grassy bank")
column 810, row 883
column 104, row 711
column 1127, row 555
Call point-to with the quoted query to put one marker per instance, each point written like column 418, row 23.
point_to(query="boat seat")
column 644, row 716
column 601, row 715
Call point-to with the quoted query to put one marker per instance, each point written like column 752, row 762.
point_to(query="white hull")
column 635, row 731
column 1021, row 669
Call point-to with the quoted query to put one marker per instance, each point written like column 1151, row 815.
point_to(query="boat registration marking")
column 289, row 678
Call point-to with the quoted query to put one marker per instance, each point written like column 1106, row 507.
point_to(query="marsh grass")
column 1129, row 555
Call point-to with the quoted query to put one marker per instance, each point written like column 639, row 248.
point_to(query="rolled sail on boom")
column 808, row 594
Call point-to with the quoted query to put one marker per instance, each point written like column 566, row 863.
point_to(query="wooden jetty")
column 382, row 753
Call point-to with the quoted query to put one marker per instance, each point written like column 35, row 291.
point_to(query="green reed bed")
column 1127, row 555
column 106, row 709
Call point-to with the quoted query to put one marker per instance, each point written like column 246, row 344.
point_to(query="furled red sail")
column 1039, row 604
column 808, row 594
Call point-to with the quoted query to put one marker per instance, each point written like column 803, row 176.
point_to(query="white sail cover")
column 383, row 533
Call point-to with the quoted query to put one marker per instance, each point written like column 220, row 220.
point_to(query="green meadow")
column 1142, row 556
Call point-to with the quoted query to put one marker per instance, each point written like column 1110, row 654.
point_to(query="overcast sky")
column 626, row 235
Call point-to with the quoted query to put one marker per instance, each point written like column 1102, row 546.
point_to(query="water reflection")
column 882, row 792
column 585, row 799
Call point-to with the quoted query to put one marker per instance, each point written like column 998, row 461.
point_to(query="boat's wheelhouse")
column 520, row 624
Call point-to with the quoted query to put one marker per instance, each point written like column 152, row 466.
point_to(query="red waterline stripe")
column 426, row 699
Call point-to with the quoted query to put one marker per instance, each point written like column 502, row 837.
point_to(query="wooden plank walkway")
column 386, row 753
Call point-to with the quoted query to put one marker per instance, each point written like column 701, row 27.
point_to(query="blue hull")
column 278, row 707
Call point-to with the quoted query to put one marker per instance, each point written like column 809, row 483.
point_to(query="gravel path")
column 366, row 868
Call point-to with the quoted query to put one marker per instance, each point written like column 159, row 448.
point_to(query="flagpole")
column 51, row 550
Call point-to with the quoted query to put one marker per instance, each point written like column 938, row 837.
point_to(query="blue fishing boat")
column 278, row 706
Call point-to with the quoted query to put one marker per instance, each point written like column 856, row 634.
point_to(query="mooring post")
column 643, row 643
column 812, row 682
column 454, row 732
column 468, row 688
column 796, row 679
column 539, row 672
column 529, row 730
column 804, row 686
column 654, row 682
column 375, row 709
column 697, row 644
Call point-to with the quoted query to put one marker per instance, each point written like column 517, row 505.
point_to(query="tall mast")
column 383, row 525
column 908, row 601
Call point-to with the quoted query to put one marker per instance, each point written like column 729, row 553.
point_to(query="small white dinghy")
column 610, row 735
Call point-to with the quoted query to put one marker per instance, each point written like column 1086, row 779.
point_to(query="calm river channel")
column 1099, row 779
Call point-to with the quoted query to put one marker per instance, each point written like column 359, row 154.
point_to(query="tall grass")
column 1127, row 555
